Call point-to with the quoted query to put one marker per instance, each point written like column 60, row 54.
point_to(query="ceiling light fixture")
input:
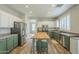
column 54, row 5
column 49, row 12
column 30, row 11
column 26, row 6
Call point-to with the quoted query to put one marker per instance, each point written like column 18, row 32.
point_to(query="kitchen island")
column 39, row 36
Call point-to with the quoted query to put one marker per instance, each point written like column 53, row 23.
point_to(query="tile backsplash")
column 4, row 30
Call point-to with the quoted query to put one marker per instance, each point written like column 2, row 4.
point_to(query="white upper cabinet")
column 3, row 20
column 11, row 22
column 7, row 20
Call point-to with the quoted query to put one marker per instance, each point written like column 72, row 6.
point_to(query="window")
column 64, row 23
column 60, row 22
column 68, row 22
column 57, row 23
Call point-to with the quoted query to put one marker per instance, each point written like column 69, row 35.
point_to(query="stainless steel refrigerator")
column 20, row 29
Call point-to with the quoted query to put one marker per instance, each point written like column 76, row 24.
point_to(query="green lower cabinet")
column 67, row 42
column 56, row 36
column 3, row 46
column 15, row 41
column 51, row 34
column 9, row 43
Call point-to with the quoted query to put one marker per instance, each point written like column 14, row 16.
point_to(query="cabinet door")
column 74, row 45
column 9, row 43
column 4, row 21
column 67, row 42
column 54, row 35
column 50, row 34
column 15, row 39
column 0, row 19
column 11, row 21
column 23, row 41
column 61, row 40
column 2, row 46
column 57, row 35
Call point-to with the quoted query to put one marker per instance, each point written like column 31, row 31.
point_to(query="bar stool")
column 38, row 46
column 44, row 46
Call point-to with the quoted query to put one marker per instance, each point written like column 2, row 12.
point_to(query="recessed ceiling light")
column 54, row 5
column 49, row 12
column 30, row 11
column 26, row 6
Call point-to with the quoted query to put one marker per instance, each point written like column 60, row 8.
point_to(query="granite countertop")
column 1, row 35
column 5, row 35
column 71, row 35
column 67, row 34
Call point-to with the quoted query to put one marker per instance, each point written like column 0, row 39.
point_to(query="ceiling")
column 40, row 10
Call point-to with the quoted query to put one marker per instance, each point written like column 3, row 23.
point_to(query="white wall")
column 74, row 18
column 49, row 23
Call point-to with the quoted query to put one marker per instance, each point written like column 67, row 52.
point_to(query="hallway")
column 53, row 48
